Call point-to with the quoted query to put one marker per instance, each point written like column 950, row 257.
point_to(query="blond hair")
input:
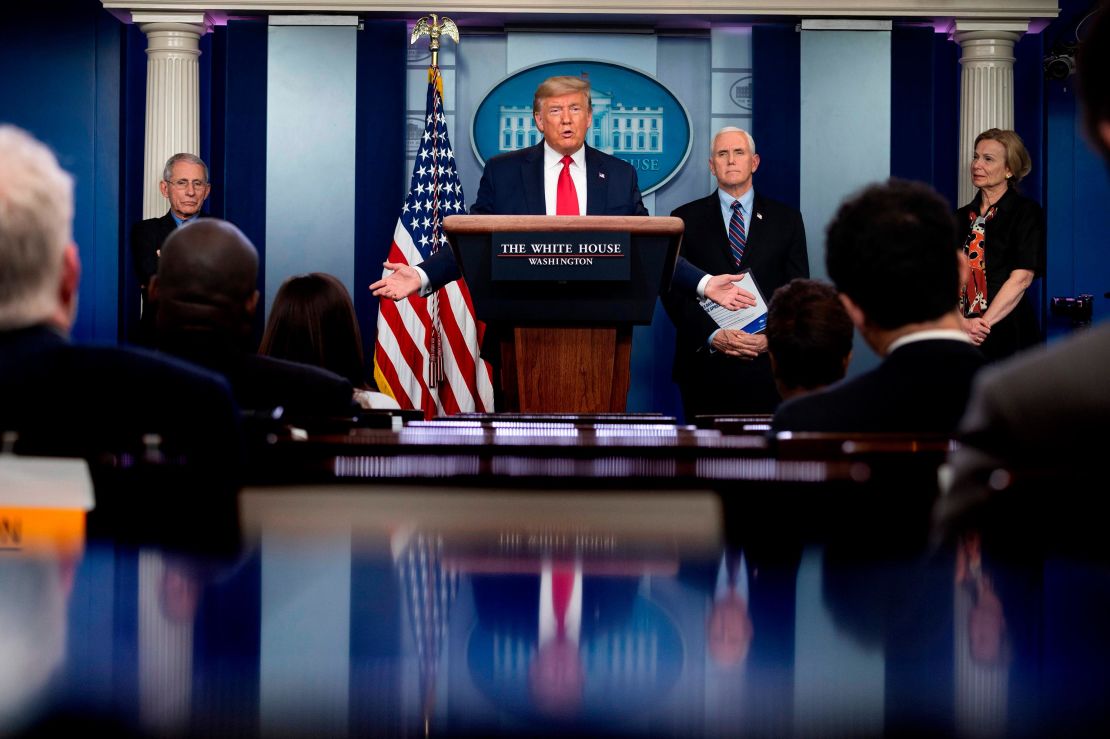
column 1017, row 157
column 556, row 86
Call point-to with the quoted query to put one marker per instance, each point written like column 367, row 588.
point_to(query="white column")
column 986, row 85
column 172, row 95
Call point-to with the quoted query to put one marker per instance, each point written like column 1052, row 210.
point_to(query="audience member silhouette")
column 809, row 337
column 890, row 251
column 312, row 321
column 206, row 296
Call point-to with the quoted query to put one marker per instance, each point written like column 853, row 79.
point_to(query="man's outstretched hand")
column 403, row 282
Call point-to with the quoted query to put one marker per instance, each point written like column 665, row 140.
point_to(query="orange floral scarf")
column 973, row 295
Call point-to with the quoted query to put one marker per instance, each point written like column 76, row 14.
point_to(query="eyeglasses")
column 184, row 184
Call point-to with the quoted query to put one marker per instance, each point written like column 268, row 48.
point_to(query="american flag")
column 426, row 355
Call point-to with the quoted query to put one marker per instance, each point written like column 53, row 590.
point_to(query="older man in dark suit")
column 731, row 230
column 889, row 252
column 185, row 187
column 560, row 176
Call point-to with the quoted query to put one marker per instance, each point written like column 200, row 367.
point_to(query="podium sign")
column 562, row 256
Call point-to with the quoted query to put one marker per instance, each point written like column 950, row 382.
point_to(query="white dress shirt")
column 553, row 167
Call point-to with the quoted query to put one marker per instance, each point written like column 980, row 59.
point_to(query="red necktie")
column 566, row 197
column 562, row 583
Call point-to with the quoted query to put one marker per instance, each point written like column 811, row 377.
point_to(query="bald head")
column 209, row 257
column 206, row 277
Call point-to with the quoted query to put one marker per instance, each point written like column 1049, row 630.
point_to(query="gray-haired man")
column 185, row 185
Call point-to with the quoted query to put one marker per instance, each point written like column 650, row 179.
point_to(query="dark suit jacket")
column 512, row 184
column 919, row 387
column 147, row 238
column 713, row 382
column 82, row 400
column 262, row 383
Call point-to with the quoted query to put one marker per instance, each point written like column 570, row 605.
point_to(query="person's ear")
column 1104, row 133
column 68, row 285
column 252, row 303
column 164, row 188
column 854, row 312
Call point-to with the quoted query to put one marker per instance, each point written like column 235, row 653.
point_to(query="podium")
column 560, row 295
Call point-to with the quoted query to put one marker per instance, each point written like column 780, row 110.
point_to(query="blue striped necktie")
column 737, row 235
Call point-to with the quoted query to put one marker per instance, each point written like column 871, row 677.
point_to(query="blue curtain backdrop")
column 380, row 185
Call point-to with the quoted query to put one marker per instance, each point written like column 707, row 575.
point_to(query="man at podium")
column 560, row 176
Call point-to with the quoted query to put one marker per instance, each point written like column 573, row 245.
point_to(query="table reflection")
column 403, row 610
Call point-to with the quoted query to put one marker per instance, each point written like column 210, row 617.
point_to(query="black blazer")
column 512, row 184
column 83, row 400
column 147, row 238
column 262, row 383
column 775, row 253
column 919, row 387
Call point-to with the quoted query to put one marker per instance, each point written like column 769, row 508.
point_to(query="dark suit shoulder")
column 696, row 208
column 82, row 399
column 262, row 382
column 770, row 206
column 162, row 226
column 518, row 156
column 610, row 162
column 920, row 387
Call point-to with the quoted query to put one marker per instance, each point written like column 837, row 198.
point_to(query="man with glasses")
column 185, row 185
column 561, row 175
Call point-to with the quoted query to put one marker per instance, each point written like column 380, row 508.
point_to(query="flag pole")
column 433, row 26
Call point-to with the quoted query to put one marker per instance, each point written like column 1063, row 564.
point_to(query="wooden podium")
column 564, row 340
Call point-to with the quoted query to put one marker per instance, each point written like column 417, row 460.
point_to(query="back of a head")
column 36, row 225
column 312, row 321
column 207, row 276
column 1094, row 81
column 892, row 249
column 809, row 334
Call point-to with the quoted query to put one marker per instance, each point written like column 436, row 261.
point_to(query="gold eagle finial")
column 433, row 27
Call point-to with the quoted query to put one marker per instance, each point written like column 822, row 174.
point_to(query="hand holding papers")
column 752, row 319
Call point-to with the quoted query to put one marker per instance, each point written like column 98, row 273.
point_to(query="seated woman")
column 312, row 321
column 1002, row 233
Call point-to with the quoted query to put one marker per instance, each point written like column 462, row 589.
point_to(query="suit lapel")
column 755, row 227
column 532, row 176
column 596, row 189
column 168, row 225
